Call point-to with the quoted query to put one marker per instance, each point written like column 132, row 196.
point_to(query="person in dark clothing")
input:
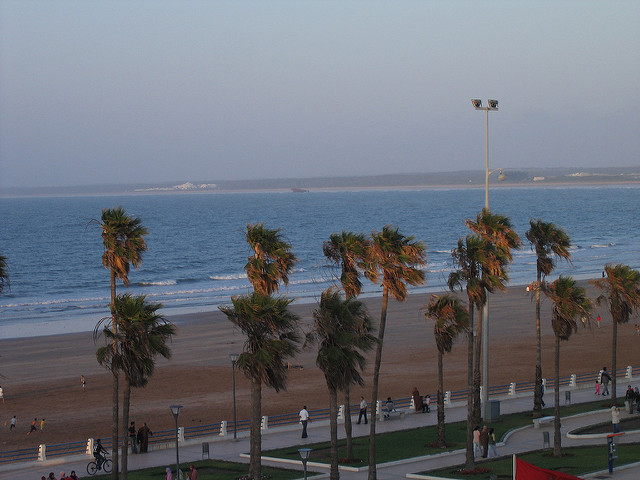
column 132, row 437
column 98, row 450
column 143, row 438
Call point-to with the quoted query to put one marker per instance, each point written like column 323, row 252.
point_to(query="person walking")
column 304, row 418
column 484, row 441
column 143, row 438
column 84, row 383
column 132, row 437
column 42, row 425
column 2, row 393
column 13, row 423
column 477, row 450
column 417, row 400
column 363, row 411
column 605, row 378
column 493, row 452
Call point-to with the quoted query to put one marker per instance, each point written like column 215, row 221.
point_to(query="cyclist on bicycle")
column 98, row 449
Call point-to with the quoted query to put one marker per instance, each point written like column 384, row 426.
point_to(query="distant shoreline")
column 459, row 186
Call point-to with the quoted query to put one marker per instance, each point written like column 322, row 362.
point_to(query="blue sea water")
column 196, row 248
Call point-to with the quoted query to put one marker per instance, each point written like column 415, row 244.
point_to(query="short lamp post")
column 175, row 410
column 304, row 454
column 234, row 360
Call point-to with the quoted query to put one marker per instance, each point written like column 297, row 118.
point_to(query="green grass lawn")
column 575, row 461
column 417, row 442
column 210, row 470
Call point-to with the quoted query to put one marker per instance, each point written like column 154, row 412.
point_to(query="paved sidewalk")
column 529, row 438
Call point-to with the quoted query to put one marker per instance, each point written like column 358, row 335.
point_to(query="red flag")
column 526, row 471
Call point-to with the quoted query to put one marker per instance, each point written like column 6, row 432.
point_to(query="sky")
column 96, row 92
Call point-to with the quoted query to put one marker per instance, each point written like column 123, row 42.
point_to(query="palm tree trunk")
column 348, row 427
column 333, row 426
column 557, row 439
column 469, row 460
column 537, row 392
column 614, row 363
column 477, row 376
column 126, row 401
column 374, row 393
column 442, row 442
column 255, row 449
column 115, row 393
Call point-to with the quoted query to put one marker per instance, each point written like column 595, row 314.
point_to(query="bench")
column 392, row 414
column 542, row 420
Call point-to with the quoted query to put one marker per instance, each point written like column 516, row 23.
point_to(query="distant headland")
column 469, row 178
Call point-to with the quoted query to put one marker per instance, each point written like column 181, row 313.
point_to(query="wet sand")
column 41, row 375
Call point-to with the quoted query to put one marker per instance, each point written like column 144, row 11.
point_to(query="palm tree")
column 451, row 318
column 497, row 231
column 4, row 275
column 142, row 335
column 469, row 257
column 621, row 291
column 398, row 259
column 349, row 250
column 272, row 260
column 547, row 241
column 343, row 329
column 569, row 303
column 124, row 244
column 272, row 338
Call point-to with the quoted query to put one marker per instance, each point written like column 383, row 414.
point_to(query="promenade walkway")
column 529, row 438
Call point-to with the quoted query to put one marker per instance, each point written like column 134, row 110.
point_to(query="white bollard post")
column 341, row 413
column 447, row 397
column 89, row 450
column 223, row 428
column 629, row 374
column 42, row 452
column 264, row 425
column 512, row 388
column 181, row 434
column 412, row 405
column 572, row 380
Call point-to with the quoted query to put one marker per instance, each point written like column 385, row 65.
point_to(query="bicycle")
column 106, row 466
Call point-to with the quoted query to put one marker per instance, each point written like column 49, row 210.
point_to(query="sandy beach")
column 41, row 375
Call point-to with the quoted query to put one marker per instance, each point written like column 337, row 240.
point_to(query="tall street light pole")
column 234, row 359
column 491, row 106
column 175, row 410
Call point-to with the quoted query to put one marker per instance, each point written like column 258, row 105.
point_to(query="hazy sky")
column 151, row 91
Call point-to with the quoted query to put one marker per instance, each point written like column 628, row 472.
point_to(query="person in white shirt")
column 363, row 410
column 304, row 418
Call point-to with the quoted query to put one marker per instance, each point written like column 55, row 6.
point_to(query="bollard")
column 223, row 428
column 42, row 452
column 264, row 425
column 546, row 441
column 512, row 388
column 341, row 413
column 447, row 397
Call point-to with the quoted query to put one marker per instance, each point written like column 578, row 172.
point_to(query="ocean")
column 196, row 247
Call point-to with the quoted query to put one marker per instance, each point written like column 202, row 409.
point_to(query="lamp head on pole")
column 234, row 357
column 175, row 409
column 304, row 453
column 477, row 103
column 493, row 104
column 501, row 176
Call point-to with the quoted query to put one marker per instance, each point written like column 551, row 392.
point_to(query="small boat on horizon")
column 299, row 190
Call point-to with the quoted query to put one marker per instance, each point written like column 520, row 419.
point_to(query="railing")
column 225, row 429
